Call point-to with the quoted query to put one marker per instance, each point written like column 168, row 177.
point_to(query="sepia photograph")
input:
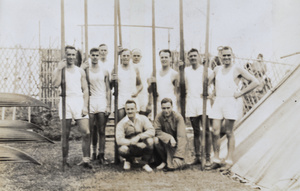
column 137, row 95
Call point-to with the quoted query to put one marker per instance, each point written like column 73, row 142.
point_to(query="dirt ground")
column 49, row 176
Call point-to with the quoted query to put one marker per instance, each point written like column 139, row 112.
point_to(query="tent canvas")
column 267, row 145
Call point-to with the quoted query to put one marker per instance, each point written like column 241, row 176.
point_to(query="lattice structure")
column 19, row 68
column 48, row 93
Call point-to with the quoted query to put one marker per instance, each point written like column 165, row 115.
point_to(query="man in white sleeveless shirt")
column 194, row 103
column 166, row 81
column 100, row 102
column 227, row 77
column 143, row 95
column 129, row 82
column 76, row 101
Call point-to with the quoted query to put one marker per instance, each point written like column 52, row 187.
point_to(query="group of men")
column 136, row 136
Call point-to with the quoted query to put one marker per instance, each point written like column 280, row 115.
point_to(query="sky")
column 250, row 27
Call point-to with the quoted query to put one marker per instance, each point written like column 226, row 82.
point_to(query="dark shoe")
column 87, row 165
column 226, row 167
column 94, row 156
column 103, row 161
column 213, row 166
column 196, row 161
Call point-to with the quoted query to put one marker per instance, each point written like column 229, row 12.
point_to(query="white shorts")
column 194, row 107
column 225, row 108
column 74, row 106
column 142, row 101
column 97, row 104
column 122, row 100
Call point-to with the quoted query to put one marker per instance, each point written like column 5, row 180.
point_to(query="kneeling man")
column 134, row 136
column 171, row 140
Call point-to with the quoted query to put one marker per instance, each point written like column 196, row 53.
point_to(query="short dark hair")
column 193, row 50
column 227, row 48
column 102, row 45
column 69, row 47
column 166, row 100
column 125, row 49
column 130, row 101
column 94, row 50
column 165, row 50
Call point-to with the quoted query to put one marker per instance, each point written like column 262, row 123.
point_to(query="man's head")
column 166, row 107
column 71, row 55
column 194, row 56
column 103, row 50
column 94, row 55
column 136, row 56
column 125, row 56
column 165, row 57
column 130, row 108
column 227, row 55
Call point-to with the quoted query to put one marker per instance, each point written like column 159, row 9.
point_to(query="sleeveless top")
column 165, row 87
column 225, row 85
column 127, row 81
column 97, row 83
column 73, row 83
column 194, row 81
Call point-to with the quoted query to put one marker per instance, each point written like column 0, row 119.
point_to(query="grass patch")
column 48, row 176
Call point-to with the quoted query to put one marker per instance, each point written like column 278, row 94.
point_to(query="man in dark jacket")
column 170, row 137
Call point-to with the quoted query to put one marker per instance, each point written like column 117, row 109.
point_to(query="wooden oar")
column 181, row 67
column 9, row 154
column 63, row 92
column 205, row 84
column 115, row 75
column 154, row 87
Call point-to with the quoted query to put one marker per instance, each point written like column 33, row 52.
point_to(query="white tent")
column 267, row 140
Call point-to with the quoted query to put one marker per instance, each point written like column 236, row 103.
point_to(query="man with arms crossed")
column 76, row 101
column 170, row 137
column 134, row 136
column 227, row 77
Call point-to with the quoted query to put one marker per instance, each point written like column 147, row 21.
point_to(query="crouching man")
column 170, row 137
column 134, row 136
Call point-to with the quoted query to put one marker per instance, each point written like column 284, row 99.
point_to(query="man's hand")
column 62, row 64
column 177, row 162
column 85, row 111
column 107, row 111
column 114, row 77
column 237, row 94
column 180, row 63
column 135, row 140
column 152, row 80
column 134, row 95
column 173, row 142
column 85, row 65
column 141, row 145
column 120, row 48
column 149, row 107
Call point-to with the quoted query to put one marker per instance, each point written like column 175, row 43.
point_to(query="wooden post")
column 63, row 92
column 181, row 68
column 115, row 76
column 154, row 87
column 86, row 29
column 205, row 84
